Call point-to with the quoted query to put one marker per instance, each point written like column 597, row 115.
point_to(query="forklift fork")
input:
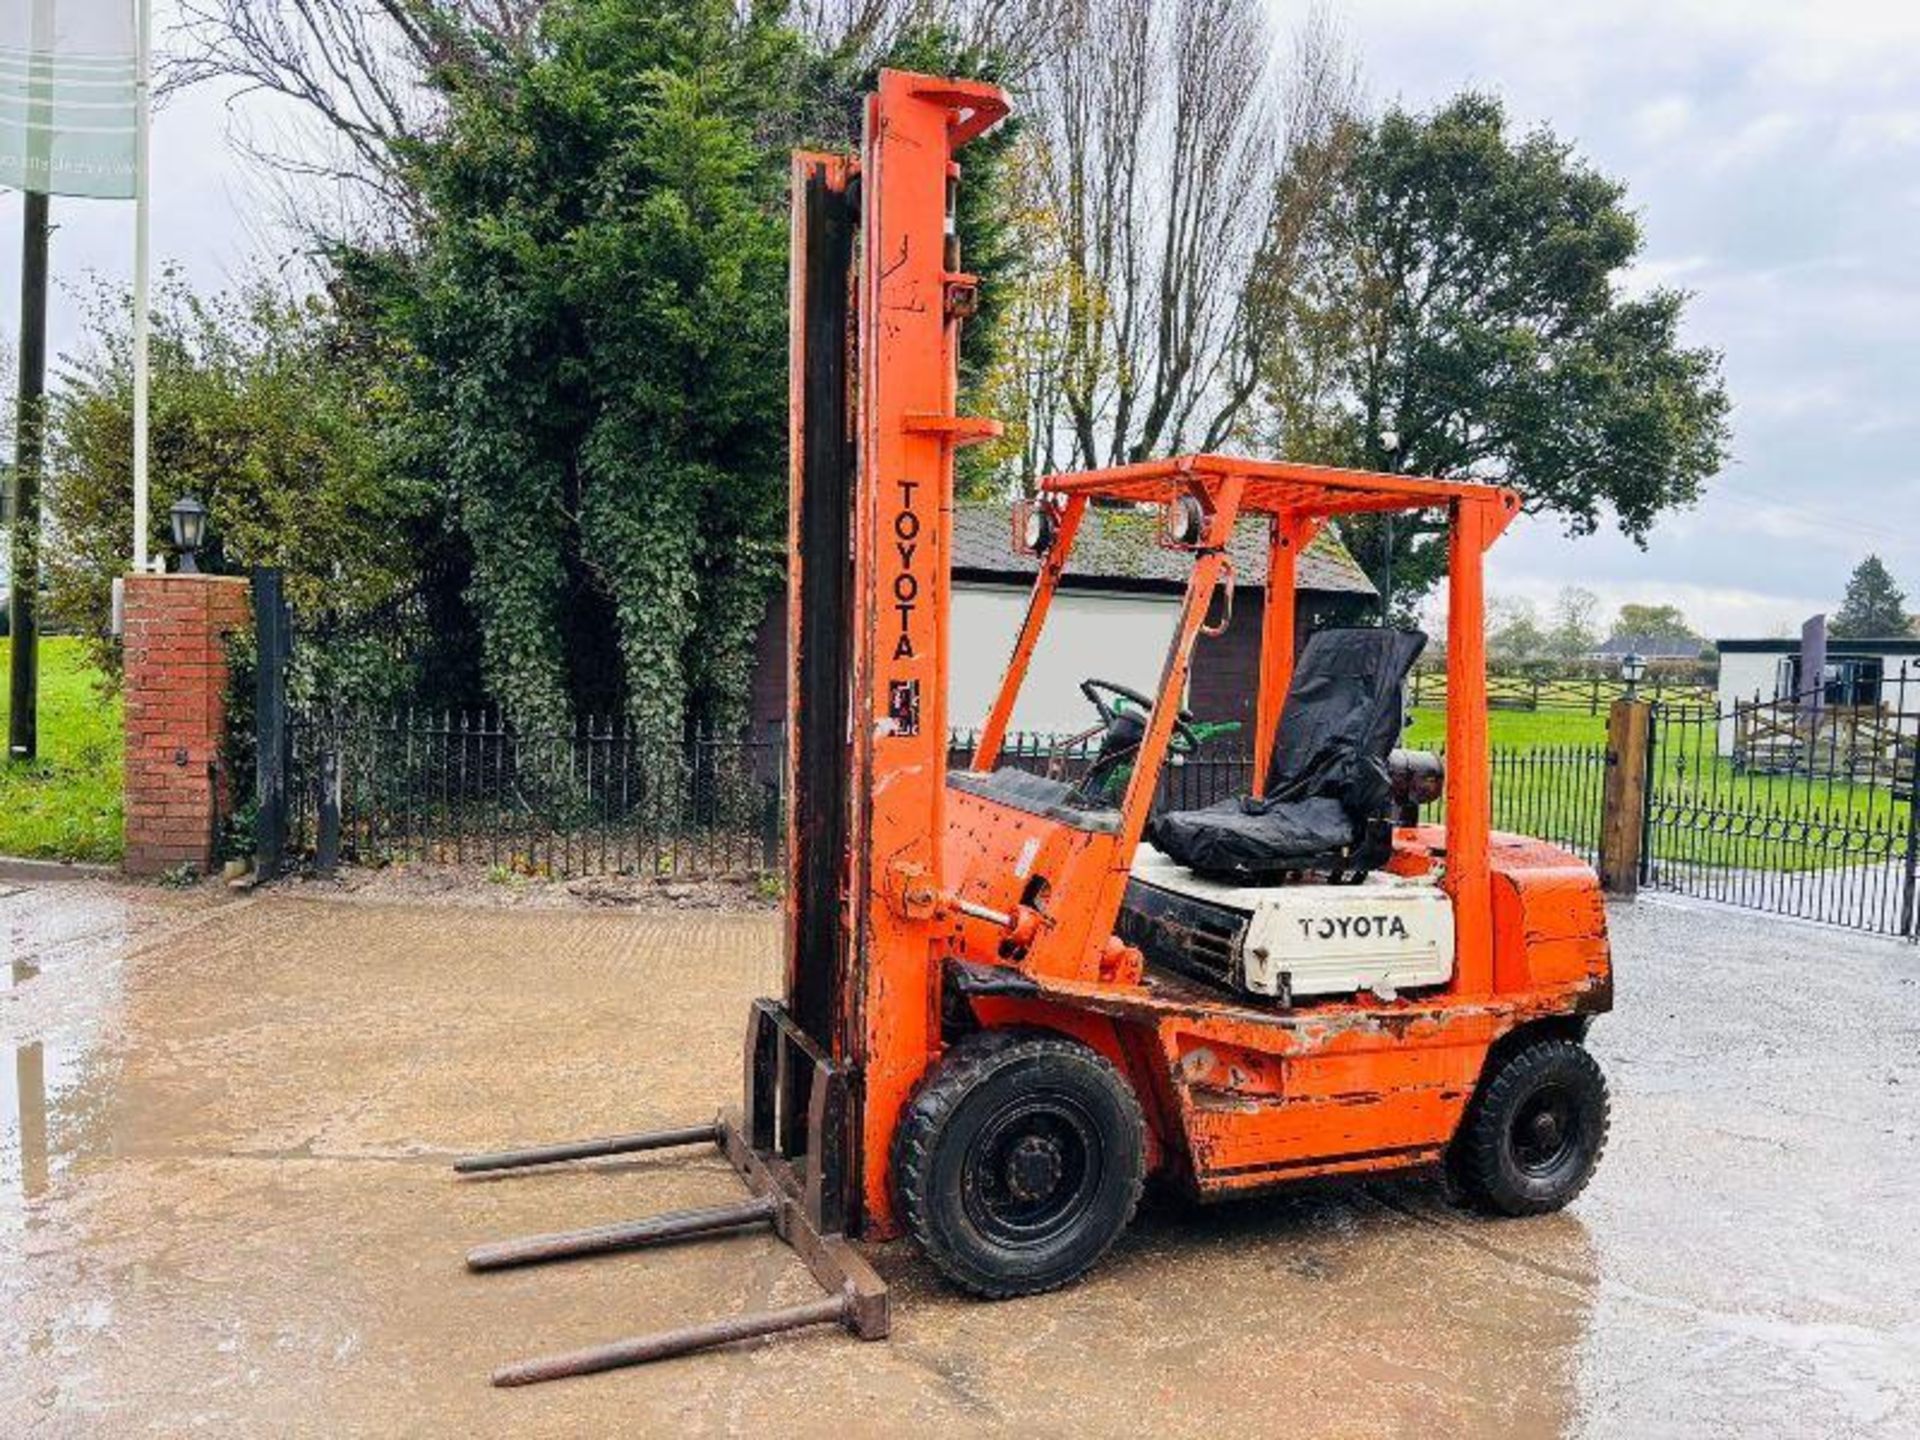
column 790, row 1148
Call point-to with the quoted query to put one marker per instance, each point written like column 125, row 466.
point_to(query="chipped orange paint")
column 911, row 300
column 1237, row 1093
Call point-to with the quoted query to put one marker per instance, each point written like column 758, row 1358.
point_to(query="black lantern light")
column 189, row 518
column 1633, row 669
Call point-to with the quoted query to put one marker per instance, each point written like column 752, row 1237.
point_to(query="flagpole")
column 142, row 143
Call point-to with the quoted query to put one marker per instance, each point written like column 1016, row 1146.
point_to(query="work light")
column 1039, row 530
column 1186, row 521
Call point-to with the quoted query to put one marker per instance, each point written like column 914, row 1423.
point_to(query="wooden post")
column 1623, row 818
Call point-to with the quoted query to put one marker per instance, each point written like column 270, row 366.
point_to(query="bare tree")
column 1153, row 132
column 1024, row 384
column 1018, row 34
column 351, row 75
column 1299, row 300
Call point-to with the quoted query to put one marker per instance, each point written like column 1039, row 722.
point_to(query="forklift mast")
column 878, row 298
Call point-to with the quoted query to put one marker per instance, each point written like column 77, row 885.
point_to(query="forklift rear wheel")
column 1535, row 1131
column 1019, row 1162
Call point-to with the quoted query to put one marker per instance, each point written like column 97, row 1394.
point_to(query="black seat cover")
column 1327, row 785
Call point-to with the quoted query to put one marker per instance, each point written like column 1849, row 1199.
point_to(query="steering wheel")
column 1105, row 696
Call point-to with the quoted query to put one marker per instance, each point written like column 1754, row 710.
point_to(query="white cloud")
column 1758, row 139
column 1877, row 132
column 1662, row 120
column 1648, row 273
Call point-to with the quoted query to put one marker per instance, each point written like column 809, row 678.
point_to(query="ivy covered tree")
column 1874, row 606
column 595, row 299
column 1454, row 306
column 595, row 304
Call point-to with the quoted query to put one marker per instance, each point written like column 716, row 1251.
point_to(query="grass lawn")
column 1548, row 776
column 65, row 805
column 1514, row 729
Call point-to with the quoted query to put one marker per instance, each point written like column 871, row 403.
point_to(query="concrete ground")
column 224, row 1205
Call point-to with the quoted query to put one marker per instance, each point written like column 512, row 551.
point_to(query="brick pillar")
column 176, row 685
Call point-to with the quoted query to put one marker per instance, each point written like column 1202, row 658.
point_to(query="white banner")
column 69, row 74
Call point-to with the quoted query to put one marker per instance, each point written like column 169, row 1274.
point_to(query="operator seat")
column 1328, row 804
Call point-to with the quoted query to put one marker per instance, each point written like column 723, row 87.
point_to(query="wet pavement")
column 224, row 1205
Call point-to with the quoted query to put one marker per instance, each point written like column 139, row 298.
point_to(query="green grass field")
column 1515, row 729
column 1547, row 781
column 66, row 804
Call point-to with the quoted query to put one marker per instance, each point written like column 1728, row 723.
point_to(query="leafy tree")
column 1514, row 635
column 1874, row 605
column 280, row 416
column 1574, row 632
column 1454, row 309
column 1654, row 622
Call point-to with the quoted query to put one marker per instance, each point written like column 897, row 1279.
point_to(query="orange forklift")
column 1011, row 998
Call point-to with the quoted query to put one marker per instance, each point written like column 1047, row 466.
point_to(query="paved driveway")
column 224, row 1205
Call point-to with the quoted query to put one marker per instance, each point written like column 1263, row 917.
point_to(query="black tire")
column 1019, row 1162
column 1535, row 1131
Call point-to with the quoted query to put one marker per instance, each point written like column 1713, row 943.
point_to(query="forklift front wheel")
column 1019, row 1162
column 1534, row 1133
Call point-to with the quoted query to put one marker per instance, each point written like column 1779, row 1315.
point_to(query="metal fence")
column 465, row 788
column 1802, row 809
column 1553, row 793
column 1801, row 805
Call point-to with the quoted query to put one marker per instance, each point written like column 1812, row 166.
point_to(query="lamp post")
column 189, row 519
column 1633, row 669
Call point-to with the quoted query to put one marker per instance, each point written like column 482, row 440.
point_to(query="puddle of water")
column 30, row 1091
column 30, row 1117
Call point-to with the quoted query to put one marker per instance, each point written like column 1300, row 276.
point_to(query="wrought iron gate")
column 1802, row 805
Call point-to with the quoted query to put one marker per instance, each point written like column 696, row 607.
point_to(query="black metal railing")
column 465, row 788
column 1801, row 805
column 1554, row 793
column 1816, row 822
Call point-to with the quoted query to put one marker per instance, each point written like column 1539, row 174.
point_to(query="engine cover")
column 1387, row 933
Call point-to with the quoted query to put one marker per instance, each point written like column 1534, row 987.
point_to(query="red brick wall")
column 176, row 681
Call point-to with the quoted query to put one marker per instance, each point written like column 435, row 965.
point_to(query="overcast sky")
column 1773, row 152
column 1772, row 148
